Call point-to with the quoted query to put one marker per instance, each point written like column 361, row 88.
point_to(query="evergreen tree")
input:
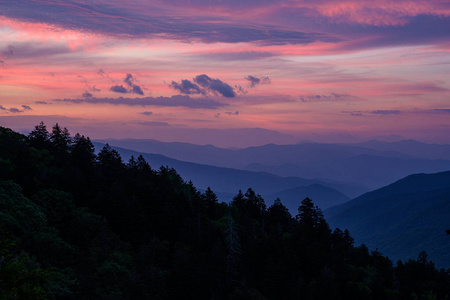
column 310, row 218
column 82, row 151
column 110, row 162
column 278, row 218
column 60, row 139
column 210, row 201
column 39, row 137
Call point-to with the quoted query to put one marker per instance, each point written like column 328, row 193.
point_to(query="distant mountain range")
column 368, row 165
column 292, row 190
column 402, row 218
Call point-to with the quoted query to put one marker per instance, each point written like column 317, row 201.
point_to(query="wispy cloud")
column 326, row 98
column 86, row 95
column 232, row 113
column 385, row 112
column 257, row 80
column 146, row 113
column 153, row 124
column 443, row 110
column 15, row 110
column 155, row 19
column 177, row 100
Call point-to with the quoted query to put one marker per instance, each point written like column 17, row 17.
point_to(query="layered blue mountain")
column 401, row 219
column 367, row 165
column 412, row 148
column 226, row 182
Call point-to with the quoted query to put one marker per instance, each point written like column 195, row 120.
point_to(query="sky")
column 229, row 73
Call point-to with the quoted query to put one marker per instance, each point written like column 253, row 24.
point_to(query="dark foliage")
column 75, row 225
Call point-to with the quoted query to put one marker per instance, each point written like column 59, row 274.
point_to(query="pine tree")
column 39, row 138
column 60, row 139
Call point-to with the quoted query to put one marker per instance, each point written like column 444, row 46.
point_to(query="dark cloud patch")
column 146, row 113
column 204, row 85
column 132, row 87
column 385, row 112
column 33, row 50
column 420, row 29
column 118, row 89
column 354, row 113
column 41, row 102
column 254, row 80
column 232, row 113
column 443, row 110
column 128, row 79
column 325, row 98
column 153, row 124
column 238, row 56
column 187, row 87
column 86, row 95
column 215, row 86
column 137, row 90
column 358, row 113
column 15, row 110
column 177, row 100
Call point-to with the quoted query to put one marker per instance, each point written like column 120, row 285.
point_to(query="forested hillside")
column 76, row 225
column 403, row 218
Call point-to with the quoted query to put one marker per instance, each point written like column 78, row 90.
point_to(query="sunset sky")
column 231, row 73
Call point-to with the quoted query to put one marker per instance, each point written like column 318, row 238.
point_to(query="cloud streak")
column 385, row 112
column 255, row 80
column 174, row 101
column 15, row 110
column 154, row 20
column 326, row 98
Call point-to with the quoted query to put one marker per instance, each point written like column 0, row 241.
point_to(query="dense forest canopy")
column 80, row 225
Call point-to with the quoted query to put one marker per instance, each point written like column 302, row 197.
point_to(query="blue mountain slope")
column 227, row 181
column 401, row 219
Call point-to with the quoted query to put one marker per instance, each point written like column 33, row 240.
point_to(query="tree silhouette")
column 210, row 200
column 60, row 139
column 39, row 137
